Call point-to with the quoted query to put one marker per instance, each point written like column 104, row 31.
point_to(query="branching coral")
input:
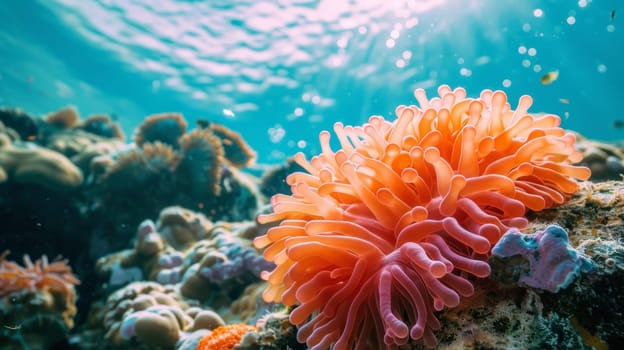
column 382, row 233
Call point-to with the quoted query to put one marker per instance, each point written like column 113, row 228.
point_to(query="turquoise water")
column 281, row 71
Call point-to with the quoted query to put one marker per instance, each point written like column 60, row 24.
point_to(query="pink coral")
column 385, row 231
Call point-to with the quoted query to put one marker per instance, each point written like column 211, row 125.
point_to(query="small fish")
column 612, row 16
column 618, row 124
column 13, row 328
column 228, row 113
column 564, row 101
column 549, row 77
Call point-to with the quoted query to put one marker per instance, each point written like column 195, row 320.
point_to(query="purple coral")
column 553, row 262
column 235, row 260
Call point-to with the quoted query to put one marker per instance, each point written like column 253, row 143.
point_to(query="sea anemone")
column 380, row 234
column 56, row 276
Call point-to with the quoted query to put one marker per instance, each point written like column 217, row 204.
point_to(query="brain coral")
column 380, row 234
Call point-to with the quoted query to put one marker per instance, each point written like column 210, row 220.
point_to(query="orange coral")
column 56, row 276
column 224, row 337
column 379, row 235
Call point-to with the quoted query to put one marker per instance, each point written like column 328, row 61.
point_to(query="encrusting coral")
column 553, row 263
column 382, row 233
column 28, row 163
column 224, row 337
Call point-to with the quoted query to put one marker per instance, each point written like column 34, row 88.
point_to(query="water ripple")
column 207, row 48
column 303, row 64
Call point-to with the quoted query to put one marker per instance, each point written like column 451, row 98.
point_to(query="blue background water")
column 281, row 71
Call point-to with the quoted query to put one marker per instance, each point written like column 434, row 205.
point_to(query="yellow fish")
column 549, row 77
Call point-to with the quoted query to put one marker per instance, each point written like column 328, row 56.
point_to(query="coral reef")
column 385, row 243
column 208, row 262
column 150, row 314
column 395, row 215
column 167, row 166
column 42, row 158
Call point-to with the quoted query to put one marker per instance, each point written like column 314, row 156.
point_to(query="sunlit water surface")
column 281, row 71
